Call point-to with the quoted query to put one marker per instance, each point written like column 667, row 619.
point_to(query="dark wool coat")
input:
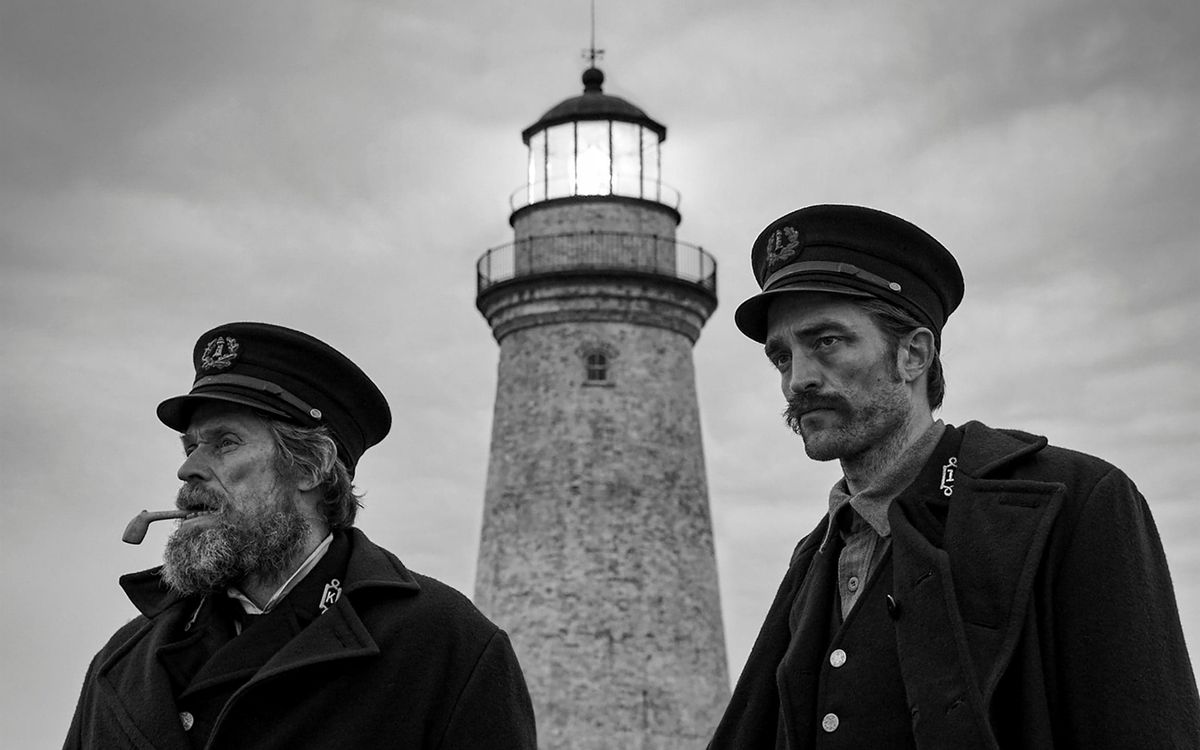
column 399, row 661
column 1035, row 610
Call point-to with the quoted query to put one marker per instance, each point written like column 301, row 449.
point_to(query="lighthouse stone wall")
column 596, row 551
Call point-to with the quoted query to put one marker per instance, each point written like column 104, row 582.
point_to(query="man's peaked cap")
column 856, row 251
column 288, row 375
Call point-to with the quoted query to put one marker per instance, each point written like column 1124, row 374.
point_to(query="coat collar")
column 985, row 450
column 373, row 567
column 139, row 691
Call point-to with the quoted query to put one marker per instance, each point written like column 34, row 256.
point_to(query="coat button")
column 186, row 720
column 837, row 658
column 830, row 722
column 852, row 584
column 893, row 607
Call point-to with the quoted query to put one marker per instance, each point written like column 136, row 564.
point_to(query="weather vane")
column 591, row 54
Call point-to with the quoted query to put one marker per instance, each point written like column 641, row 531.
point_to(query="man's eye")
column 826, row 341
column 780, row 361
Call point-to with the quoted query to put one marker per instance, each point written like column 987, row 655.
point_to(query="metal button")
column 830, row 722
column 893, row 607
column 187, row 720
column 837, row 658
column 852, row 584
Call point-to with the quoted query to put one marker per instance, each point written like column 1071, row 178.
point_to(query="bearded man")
column 273, row 622
column 969, row 587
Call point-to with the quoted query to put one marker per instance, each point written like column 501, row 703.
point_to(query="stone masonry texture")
column 596, row 553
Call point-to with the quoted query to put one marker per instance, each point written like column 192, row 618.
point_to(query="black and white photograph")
column 600, row 374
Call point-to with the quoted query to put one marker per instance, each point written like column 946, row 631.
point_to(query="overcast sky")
column 339, row 166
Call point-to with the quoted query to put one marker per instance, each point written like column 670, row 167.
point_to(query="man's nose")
column 804, row 374
column 193, row 467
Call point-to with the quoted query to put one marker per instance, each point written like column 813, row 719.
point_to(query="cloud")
column 339, row 167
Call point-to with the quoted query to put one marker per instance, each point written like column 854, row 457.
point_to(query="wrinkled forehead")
column 210, row 414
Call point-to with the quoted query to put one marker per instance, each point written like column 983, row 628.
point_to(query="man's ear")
column 307, row 481
column 915, row 354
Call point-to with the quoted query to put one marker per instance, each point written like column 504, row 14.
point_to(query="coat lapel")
column 994, row 539
column 956, row 631
column 137, row 694
column 337, row 634
column 307, row 627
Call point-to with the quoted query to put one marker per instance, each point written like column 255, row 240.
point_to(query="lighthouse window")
column 651, row 159
column 597, row 367
column 593, row 158
column 538, row 159
column 627, row 159
column 560, row 161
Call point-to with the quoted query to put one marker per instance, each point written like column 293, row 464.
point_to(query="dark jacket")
column 1034, row 610
column 399, row 661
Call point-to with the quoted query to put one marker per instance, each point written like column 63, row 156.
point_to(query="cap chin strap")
column 849, row 269
column 263, row 386
column 823, row 266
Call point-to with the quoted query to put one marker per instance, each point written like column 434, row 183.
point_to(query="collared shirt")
column 864, row 527
column 310, row 562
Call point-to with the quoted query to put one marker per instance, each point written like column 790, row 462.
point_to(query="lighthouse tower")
column 596, row 553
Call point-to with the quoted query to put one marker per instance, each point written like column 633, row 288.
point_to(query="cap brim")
column 751, row 316
column 176, row 412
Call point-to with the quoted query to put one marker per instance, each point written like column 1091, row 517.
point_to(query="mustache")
column 195, row 497
column 800, row 403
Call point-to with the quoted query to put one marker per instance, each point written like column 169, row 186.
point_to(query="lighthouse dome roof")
column 594, row 104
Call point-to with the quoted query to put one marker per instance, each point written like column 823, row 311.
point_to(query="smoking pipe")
column 135, row 532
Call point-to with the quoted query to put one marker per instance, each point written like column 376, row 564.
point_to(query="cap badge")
column 782, row 246
column 219, row 353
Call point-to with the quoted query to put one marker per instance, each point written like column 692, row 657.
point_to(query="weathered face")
column 838, row 372
column 252, row 525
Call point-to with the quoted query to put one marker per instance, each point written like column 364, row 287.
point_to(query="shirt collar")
column 873, row 501
column 309, row 563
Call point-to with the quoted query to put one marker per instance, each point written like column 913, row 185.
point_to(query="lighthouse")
column 596, row 552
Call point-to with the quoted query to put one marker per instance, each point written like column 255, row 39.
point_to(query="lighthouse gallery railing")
column 597, row 251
